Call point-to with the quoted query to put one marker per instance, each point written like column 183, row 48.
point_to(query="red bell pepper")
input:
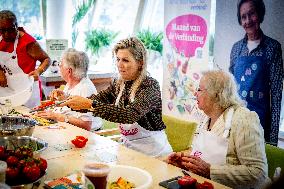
column 79, row 141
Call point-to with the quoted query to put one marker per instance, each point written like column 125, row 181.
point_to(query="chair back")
column 180, row 133
column 275, row 158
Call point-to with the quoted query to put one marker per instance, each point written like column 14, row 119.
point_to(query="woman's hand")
column 3, row 79
column 57, row 94
column 35, row 74
column 175, row 159
column 51, row 115
column 196, row 165
column 78, row 103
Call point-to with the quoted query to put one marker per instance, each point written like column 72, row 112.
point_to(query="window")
column 28, row 13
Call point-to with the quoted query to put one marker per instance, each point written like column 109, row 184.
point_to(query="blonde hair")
column 137, row 49
column 221, row 87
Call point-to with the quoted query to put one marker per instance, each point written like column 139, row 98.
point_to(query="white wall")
column 228, row 30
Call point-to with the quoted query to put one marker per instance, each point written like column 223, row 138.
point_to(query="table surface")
column 64, row 159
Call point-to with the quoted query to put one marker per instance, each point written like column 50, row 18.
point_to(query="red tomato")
column 205, row 185
column 12, row 161
column 2, row 152
column 42, row 164
column 22, row 163
column 12, row 173
column 187, row 181
column 32, row 173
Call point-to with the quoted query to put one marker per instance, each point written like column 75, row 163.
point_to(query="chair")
column 275, row 158
column 180, row 132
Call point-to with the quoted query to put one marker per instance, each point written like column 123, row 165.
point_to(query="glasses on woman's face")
column 8, row 30
column 200, row 90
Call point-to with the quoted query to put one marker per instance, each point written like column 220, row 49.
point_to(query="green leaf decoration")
column 82, row 10
column 98, row 38
column 151, row 40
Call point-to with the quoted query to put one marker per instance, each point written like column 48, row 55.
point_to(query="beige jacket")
column 246, row 163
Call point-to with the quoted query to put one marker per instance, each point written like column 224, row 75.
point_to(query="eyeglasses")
column 200, row 90
column 9, row 30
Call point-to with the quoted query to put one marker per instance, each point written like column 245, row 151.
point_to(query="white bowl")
column 142, row 179
column 19, row 90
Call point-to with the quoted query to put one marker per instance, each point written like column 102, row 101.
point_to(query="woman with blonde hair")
column 229, row 145
column 133, row 100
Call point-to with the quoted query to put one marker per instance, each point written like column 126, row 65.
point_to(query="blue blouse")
column 271, row 50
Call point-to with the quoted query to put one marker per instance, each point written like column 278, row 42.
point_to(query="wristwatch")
column 66, row 119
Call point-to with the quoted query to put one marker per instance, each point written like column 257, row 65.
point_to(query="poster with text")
column 55, row 48
column 185, row 55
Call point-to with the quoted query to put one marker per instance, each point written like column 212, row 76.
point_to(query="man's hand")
column 3, row 79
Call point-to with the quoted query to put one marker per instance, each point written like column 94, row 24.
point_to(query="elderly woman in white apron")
column 229, row 146
column 73, row 69
column 18, row 55
column 133, row 100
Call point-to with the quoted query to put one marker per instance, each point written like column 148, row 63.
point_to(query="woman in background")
column 256, row 63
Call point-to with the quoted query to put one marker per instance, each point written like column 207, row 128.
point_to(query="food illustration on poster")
column 186, row 35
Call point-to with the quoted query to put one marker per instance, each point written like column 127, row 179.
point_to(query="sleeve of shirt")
column 145, row 100
column 107, row 96
column 276, row 80
column 250, row 165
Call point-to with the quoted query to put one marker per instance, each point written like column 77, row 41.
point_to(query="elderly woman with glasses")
column 73, row 69
column 229, row 145
column 133, row 101
column 19, row 53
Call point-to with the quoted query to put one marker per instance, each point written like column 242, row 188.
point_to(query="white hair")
column 221, row 87
column 78, row 61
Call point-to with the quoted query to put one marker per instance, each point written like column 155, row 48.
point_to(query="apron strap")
column 228, row 122
column 16, row 44
column 14, row 53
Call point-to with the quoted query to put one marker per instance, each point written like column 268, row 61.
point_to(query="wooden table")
column 98, row 148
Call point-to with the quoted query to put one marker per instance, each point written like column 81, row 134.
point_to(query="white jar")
column 3, row 167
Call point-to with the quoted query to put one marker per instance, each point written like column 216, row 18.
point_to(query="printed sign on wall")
column 186, row 54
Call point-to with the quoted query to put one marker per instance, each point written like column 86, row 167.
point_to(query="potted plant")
column 97, row 40
column 151, row 40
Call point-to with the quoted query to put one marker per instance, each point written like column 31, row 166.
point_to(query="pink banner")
column 186, row 33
